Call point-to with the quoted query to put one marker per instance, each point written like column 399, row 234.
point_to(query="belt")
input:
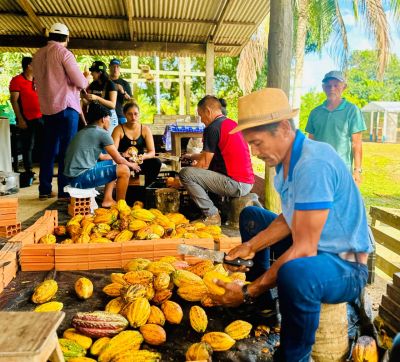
column 361, row 258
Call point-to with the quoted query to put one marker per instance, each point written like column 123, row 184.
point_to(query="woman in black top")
column 132, row 133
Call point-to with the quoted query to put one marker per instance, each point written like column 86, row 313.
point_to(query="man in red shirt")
column 223, row 167
column 25, row 102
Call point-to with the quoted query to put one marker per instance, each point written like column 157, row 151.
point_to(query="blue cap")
column 115, row 62
column 334, row 74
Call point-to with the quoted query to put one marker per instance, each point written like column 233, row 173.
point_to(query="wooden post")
column 134, row 75
column 188, row 81
column 385, row 116
column 181, row 86
column 371, row 126
column 157, row 75
column 280, row 40
column 210, row 68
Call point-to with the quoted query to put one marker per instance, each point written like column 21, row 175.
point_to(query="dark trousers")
column 28, row 137
column 150, row 168
column 59, row 129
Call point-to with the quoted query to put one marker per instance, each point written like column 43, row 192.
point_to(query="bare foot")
column 108, row 204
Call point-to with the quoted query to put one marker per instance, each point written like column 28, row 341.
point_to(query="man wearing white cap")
column 339, row 123
column 59, row 81
column 320, row 240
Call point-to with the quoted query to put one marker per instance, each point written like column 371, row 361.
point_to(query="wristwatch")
column 359, row 170
column 247, row 298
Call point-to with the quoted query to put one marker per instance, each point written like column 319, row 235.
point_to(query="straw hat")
column 268, row 105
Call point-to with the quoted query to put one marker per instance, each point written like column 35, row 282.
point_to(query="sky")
column 315, row 65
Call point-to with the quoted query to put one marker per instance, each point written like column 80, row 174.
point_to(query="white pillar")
column 384, row 127
column 158, row 97
column 188, row 81
column 134, row 74
column 210, row 68
column 371, row 126
column 181, row 86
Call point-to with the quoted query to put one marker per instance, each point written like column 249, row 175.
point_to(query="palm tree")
column 320, row 18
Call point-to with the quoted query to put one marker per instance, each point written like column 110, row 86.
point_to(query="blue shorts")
column 101, row 174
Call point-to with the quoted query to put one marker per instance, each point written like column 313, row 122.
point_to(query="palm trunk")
column 299, row 56
column 280, row 40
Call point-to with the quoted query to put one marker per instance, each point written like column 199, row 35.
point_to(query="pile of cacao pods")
column 122, row 223
column 141, row 302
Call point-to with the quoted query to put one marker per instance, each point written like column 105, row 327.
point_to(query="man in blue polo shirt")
column 339, row 123
column 320, row 240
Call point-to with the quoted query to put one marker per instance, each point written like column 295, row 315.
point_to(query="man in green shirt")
column 339, row 123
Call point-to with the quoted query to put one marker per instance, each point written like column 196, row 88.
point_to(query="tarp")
column 391, row 107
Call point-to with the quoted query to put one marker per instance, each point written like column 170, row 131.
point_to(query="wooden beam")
column 386, row 216
column 26, row 6
column 129, row 12
column 217, row 27
column 116, row 45
column 386, row 240
column 386, row 266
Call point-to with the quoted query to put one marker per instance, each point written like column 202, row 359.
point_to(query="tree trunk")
column 299, row 56
column 280, row 41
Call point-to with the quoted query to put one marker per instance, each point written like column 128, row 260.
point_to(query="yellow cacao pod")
column 136, row 264
column 114, row 305
column 67, row 241
column 138, row 203
column 113, row 289
column 45, row 291
column 101, row 228
column 181, row 277
column 98, row 346
column 143, row 214
column 75, row 219
column 130, row 293
column 144, row 233
column 83, row 238
column 207, row 301
column 219, row 341
column 123, row 207
column 203, row 234
column 156, row 316
column 220, row 269
column 47, row 239
column 168, row 259
column 60, row 230
column 238, row 276
column 214, row 230
column 172, row 311
column 162, row 220
column 136, row 225
column 212, row 287
column 238, row 329
column 100, row 240
column 124, row 341
column 161, row 296
column 139, row 277
column 82, row 340
column 365, row 350
column 198, row 319
column 118, row 278
column 81, row 359
column 107, row 218
column 49, row 307
column 193, row 293
column 111, row 235
column 153, row 334
column 125, row 235
column 161, row 281
column 84, row 288
column 177, row 218
column 138, row 312
column 201, row 351
column 87, row 226
column 157, row 267
column 150, row 292
column 142, row 355
column 201, row 267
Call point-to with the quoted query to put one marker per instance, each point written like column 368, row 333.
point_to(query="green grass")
column 381, row 174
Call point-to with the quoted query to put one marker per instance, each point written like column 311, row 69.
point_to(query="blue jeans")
column 58, row 131
column 102, row 173
column 303, row 284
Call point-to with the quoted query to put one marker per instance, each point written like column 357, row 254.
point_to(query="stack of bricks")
column 8, row 265
column 389, row 309
column 9, row 224
column 79, row 205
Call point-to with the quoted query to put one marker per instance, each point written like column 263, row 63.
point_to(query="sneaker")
column 211, row 220
column 47, row 196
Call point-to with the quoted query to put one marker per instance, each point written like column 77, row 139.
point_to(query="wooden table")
column 176, row 145
column 30, row 337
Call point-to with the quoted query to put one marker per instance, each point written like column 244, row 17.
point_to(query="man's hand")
column 134, row 166
column 22, row 124
column 243, row 251
column 357, row 177
column 91, row 97
column 233, row 295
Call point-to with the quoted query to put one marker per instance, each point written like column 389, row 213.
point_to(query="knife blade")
column 218, row 256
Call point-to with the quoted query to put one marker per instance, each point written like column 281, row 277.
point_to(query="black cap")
column 98, row 66
column 115, row 62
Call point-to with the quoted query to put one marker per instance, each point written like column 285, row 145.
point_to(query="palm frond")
column 394, row 5
column 252, row 58
column 377, row 24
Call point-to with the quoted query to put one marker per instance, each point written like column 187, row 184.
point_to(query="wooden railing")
column 385, row 226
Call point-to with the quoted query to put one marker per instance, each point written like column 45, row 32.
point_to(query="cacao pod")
column 114, row 305
column 73, row 335
column 138, row 312
column 139, row 277
column 81, row 359
column 193, row 293
column 84, row 288
column 142, row 355
column 100, row 240
column 201, row 351
column 161, row 281
column 153, row 334
column 48, row 239
column 83, row 238
column 219, row 341
column 45, row 291
column 198, row 319
column 172, row 312
column 136, row 225
column 157, row 267
column 113, row 289
column 118, row 278
column 161, row 296
column 365, row 350
column 212, row 287
column 238, row 329
column 136, row 264
column 99, row 324
column 181, row 277
column 125, row 341
column 71, row 349
column 98, row 346
column 130, row 293
column 201, row 267
column 125, row 235
column 49, row 307
column 60, row 230
column 143, row 214
column 156, row 316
